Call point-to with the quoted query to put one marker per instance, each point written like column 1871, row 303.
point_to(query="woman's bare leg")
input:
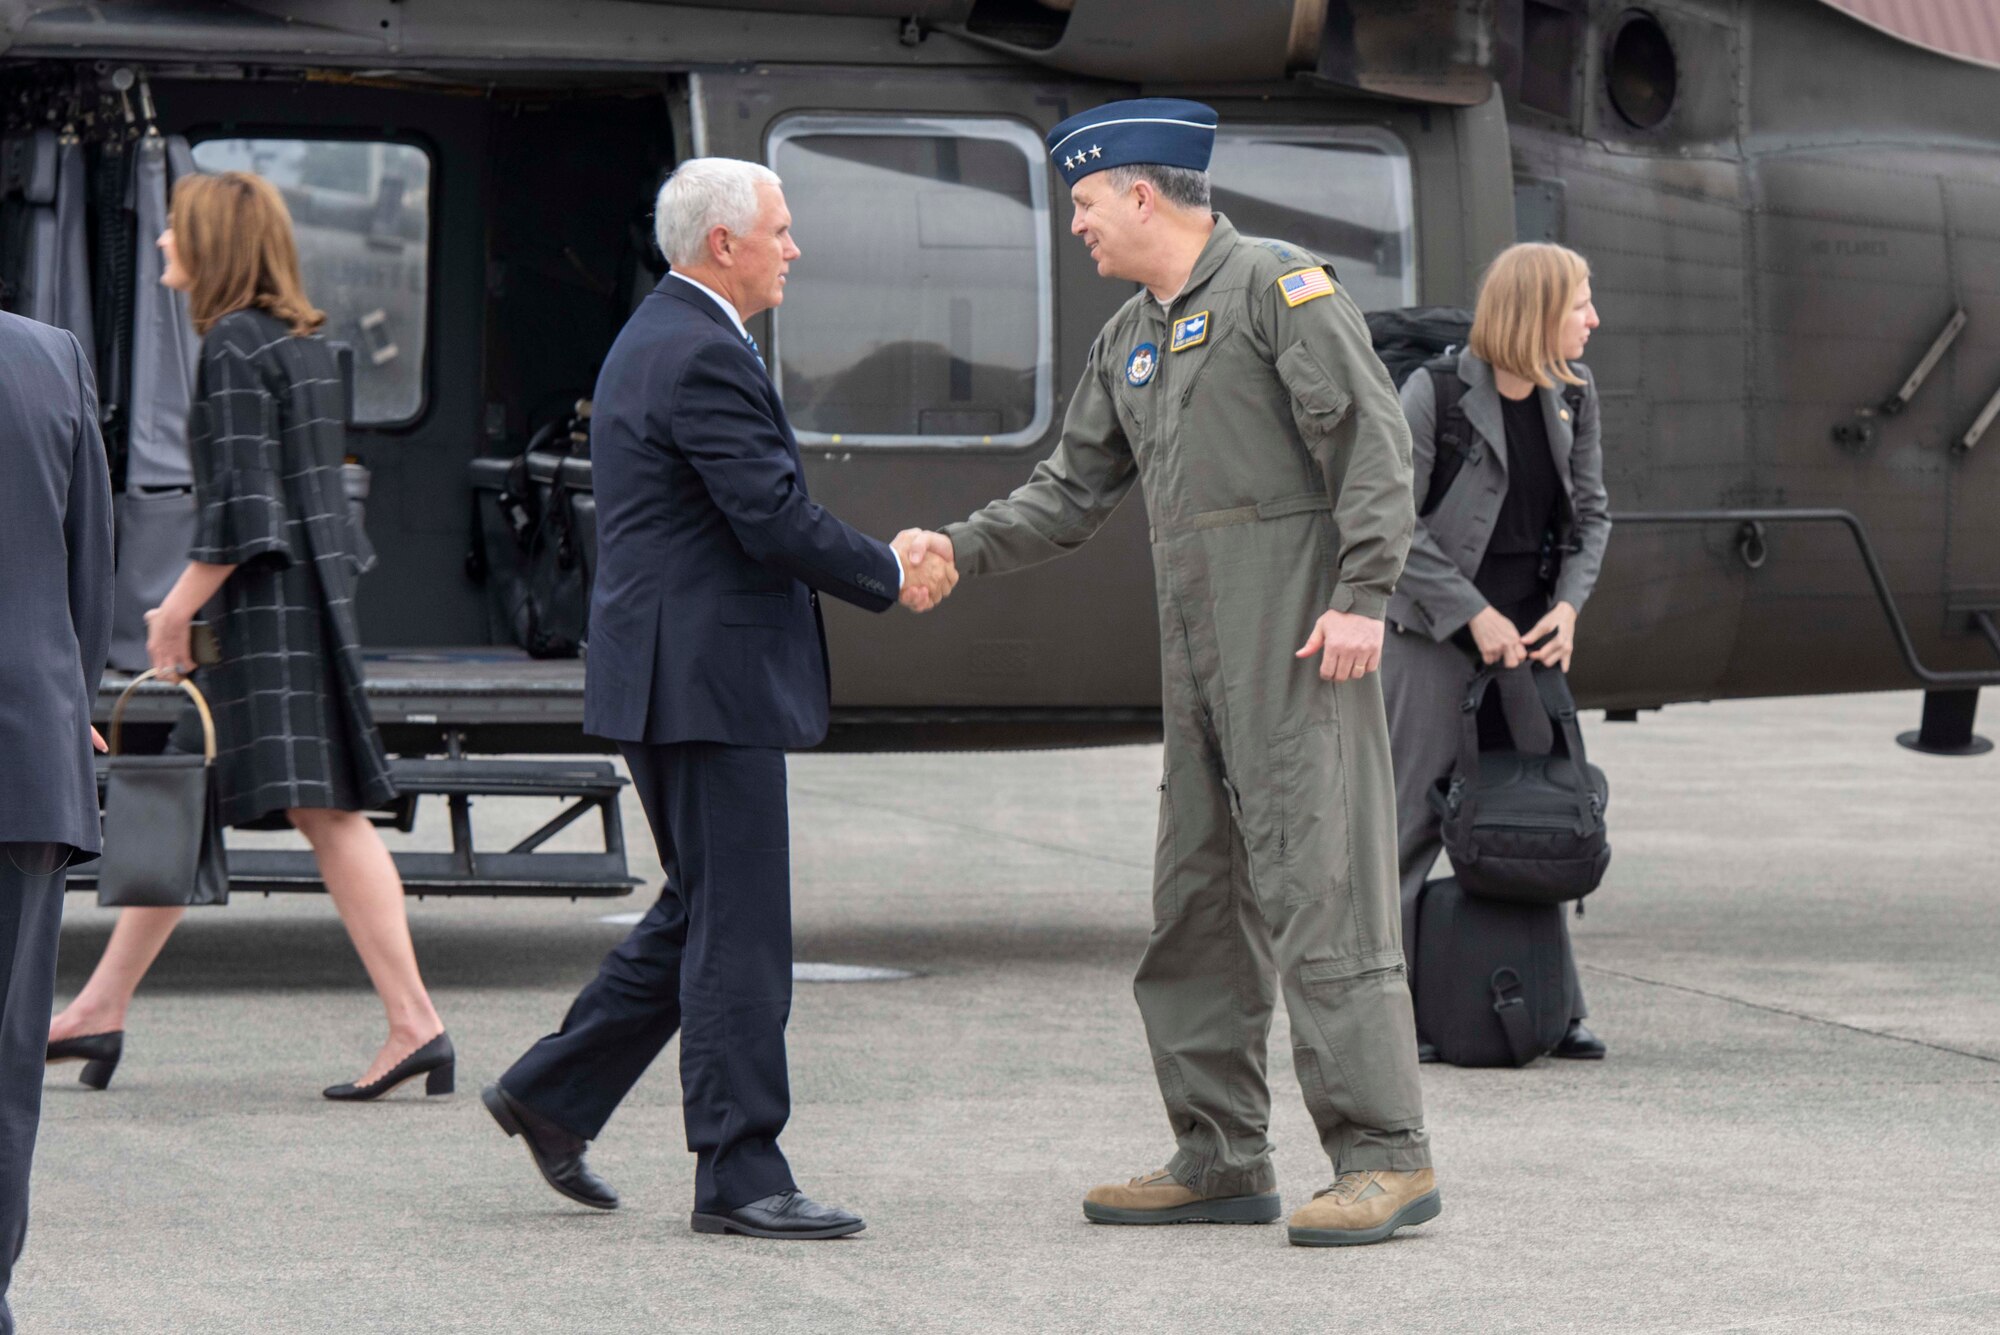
column 362, row 879
column 135, row 943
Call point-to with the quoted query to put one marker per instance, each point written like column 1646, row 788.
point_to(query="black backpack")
column 1521, row 827
column 1487, row 979
column 1412, row 336
column 1429, row 337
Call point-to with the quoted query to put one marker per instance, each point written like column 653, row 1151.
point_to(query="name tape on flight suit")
column 1300, row 287
column 1190, row 333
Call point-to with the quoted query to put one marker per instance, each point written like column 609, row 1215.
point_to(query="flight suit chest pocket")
column 1318, row 404
column 755, row 609
column 1193, row 346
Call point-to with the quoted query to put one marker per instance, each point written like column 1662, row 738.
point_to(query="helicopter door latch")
column 1859, row 434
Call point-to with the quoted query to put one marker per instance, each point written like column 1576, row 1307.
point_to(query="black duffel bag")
column 1522, row 827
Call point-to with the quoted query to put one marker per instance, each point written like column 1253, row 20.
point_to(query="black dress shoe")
column 556, row 1152
column 789, row 1214
column 1579, row 1044
column 99, row 1054
column 1427, row 1054
column 435, row 1060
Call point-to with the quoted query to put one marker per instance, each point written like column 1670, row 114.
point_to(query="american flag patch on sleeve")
column 1301, row 287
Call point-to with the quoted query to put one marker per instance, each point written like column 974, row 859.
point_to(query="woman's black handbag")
column 162, row 831
column 1522, row 827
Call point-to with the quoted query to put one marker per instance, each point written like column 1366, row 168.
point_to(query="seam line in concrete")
column 1846, row 1311
column 1796, row 1015
column 971, row 828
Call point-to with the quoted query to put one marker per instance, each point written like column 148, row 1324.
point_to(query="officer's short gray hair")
column 1181, row 186
column 702, row 195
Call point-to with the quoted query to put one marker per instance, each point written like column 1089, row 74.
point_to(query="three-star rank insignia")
column 1300, row 287
column 1191, row 332
column 1139, row 367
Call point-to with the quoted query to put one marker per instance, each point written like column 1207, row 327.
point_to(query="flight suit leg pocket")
column 1313, row 852
column 1361, row 1015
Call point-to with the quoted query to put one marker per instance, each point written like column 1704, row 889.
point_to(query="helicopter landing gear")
column 1947, row 726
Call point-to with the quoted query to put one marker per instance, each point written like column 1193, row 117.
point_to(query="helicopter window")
column 1640, row 73
column 361, row 212
column 1341, row 191
column 922, row 312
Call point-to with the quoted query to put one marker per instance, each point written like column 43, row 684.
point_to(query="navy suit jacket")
column 704, row 620
column 55, row 585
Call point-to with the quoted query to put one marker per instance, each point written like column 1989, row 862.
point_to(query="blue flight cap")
column 1163, row 130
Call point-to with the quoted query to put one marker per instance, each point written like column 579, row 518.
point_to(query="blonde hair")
column 234, row 237
column 1526, row 292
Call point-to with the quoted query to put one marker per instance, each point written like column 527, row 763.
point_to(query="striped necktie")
column 755, row 351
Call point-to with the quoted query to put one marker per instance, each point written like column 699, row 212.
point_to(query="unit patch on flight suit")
column 1190, row 333
column 1301, row 287
column 1139, row 368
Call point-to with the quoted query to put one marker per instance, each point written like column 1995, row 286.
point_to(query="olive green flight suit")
column 1276, row 468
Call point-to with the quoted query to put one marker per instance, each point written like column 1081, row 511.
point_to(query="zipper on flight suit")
column 1194, row 677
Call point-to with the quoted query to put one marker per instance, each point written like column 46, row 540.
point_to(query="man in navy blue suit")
column 55, row 608
column 707, row 662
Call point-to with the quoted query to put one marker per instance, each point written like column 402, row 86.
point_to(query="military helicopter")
column 1793, row 217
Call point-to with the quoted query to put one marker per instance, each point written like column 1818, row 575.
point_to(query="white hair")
column 702, row 195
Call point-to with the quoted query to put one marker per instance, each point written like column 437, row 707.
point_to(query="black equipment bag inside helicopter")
column 534, row 539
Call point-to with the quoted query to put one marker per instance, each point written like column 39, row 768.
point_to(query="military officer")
column 1238, row 386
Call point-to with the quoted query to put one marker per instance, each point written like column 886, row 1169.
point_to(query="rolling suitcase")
column 1486, row 976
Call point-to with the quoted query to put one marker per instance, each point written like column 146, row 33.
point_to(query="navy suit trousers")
column 713, row 959
column 30, row 920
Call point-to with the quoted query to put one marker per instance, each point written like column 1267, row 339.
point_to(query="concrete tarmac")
column 1795, row 961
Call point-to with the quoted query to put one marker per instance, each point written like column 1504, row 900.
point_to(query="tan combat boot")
column 1366, row 1207
column 1157, row 1198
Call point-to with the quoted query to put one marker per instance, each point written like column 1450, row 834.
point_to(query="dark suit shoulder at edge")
column 51, row 338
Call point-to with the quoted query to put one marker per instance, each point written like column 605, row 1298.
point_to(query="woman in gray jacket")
column 1502, row 562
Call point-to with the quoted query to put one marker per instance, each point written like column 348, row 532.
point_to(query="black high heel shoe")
column 99, row 1054
column 435, row 1059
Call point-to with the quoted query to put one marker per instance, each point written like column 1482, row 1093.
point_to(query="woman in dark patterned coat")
column 277, row 551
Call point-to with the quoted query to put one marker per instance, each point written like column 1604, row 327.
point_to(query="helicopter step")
column 586, row 786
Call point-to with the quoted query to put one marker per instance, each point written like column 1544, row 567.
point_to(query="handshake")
column 930, row 571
